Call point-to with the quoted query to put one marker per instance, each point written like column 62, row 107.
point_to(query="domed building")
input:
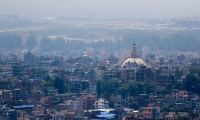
column 134, row 60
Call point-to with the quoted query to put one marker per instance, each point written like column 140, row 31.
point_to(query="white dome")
column 137, row 61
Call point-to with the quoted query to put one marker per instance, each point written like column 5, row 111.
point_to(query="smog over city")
column 99, row 59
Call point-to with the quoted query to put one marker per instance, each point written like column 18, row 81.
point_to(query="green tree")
column 107, row 87
column 134, row 105
column 46, row 44
column 99, row 89
column 178, row 86
column 61, row 100
column 31, row 42
column 169, row 86
column 59, row 43
column 38, row 71
column 59, row 84
column 165, row 107
column 48, row 82
column 10, row 40
column 192, row 83
column 55, row 63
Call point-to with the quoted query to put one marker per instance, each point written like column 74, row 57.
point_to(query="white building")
column 58, row 116
column 101, row 104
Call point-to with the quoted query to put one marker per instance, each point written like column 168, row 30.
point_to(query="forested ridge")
column 188, row 40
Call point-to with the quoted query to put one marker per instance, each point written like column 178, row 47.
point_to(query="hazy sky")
column 101, row 8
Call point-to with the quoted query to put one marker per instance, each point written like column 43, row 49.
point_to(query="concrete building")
column 19, row 69
column 28, row 86
column 179, row 95
column 111, row 74
column 73, row 105
column 150, row 112
column 101, row 104
column 87, row 101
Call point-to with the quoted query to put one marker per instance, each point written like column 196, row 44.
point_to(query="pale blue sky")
column 101, row 8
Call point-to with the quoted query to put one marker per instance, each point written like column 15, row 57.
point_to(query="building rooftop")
column 26, row 106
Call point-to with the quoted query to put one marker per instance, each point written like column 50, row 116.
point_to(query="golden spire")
column 134, row 53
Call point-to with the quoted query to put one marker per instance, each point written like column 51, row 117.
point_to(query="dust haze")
column 101, row 8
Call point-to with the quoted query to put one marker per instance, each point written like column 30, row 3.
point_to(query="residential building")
column 101, row 104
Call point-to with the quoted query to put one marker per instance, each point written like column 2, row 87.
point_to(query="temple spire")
column 134, row 53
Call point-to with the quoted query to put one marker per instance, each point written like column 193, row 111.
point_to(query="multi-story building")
column 164, row 75
column 59, row 73
column 128, row 74
column 19, row 69
column 92, row 87
column 143, row 73
column 111, row 74
column 5, row 84
column 87, row 101
column 150, row 112
column 73, row 105
column 58, row 116
column 16, row 96
column 52, row 92
column 101, row 104
column 179, row 95
column 185, row 71
column 118, row 102
column 75, row 85
column 5, row 96
column 6, row 71
column 142, row 100
column 84, row 85
column 28, row 86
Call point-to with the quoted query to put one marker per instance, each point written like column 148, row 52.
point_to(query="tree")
column 99, row 89
column 38, row 71
column 102, row 68
column 134, row 105
column 178, row 86
column 165, row 107
column 106, row 88
column 48, row 82
column 59, row 43
column 59, row 84
column 169, row 86
column 46, row 44
column 10, row 40
column 31, row 42
column 192, row 84
column 61, row 100
column 55, row 63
